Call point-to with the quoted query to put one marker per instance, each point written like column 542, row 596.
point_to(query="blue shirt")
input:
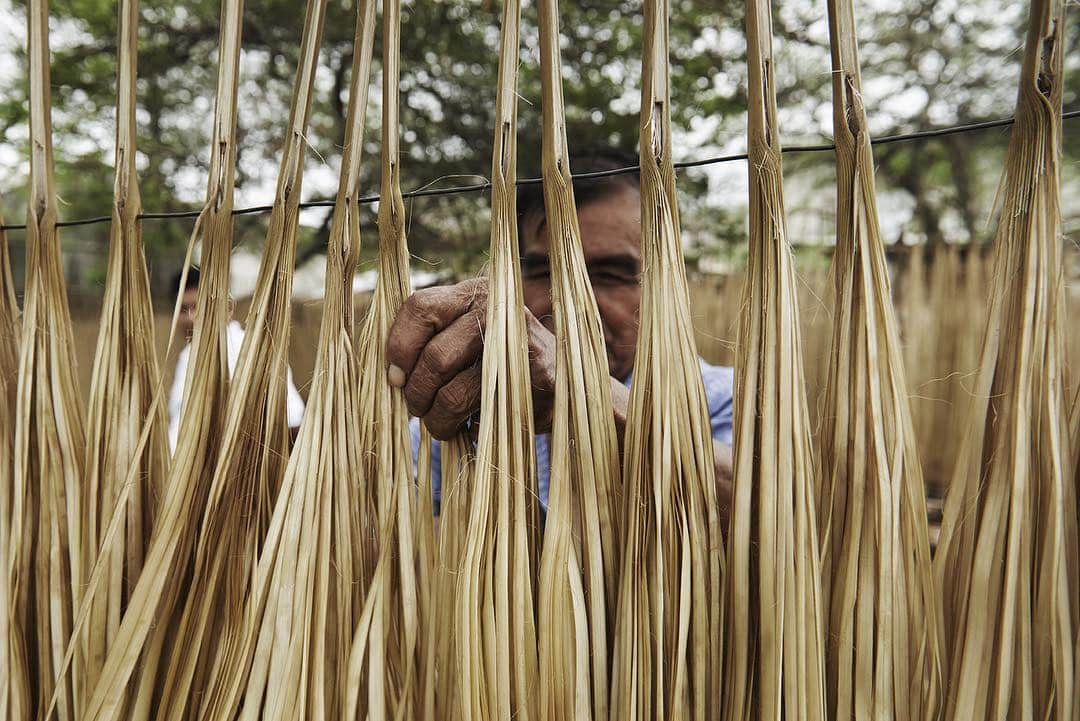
column 719, row 384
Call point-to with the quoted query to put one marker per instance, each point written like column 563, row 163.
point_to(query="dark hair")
column 530, row 198
column 192, row 280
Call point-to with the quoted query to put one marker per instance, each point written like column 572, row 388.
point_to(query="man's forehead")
column 610, row 227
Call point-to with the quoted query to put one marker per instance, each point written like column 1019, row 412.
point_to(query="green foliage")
column 934, row 63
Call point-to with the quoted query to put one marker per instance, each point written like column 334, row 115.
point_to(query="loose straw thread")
column 312, row 572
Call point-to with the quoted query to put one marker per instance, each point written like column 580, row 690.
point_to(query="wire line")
column 426, row 192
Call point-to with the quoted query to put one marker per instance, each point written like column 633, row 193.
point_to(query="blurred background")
column 926, row 64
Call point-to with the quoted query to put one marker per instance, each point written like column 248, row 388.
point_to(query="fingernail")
column 396, row 376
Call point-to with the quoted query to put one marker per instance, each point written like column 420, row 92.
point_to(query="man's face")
column 611, row 240
column 187, row 312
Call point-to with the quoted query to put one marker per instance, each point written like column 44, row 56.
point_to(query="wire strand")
column 426, row 192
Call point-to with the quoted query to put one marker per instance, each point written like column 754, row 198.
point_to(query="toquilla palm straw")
column 214, row 613
column 136, row 652
column 125, row 375
column 441, row 685
column 774, row 642
column 16, row 701
column 495, row 623
column 293, row 661
column 579, row 565
column 48, row 489
column 668, row 630
column 1006, row 563
column 385, row 674
column 883, row 659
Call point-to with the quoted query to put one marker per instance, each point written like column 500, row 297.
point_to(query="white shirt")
column 294, row 404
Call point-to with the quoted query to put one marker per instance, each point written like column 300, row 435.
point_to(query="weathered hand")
column 435, row 350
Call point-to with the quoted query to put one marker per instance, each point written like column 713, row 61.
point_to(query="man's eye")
column 607, row 278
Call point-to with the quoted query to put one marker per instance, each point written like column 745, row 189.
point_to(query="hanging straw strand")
column 388, row 651
column 773, row 605
column 16, row 701
column 124, row 376
column 48, row 470
column 667, row 662
column 293, row 659
column 578, row 578
column 495, row 606
column 135, row 654
column 1006, row 564
column 216, row 609
column 883, row 643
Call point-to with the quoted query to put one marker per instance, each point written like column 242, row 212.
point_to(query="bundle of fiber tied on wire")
column 311, row 571
column 494, row 609
column 881, row 618
column 218, row 609
column 439, row 559
column 15, row 700
column 124, row 379
column 1006, row 562
column 385, row 672
column 49, row 505
column 130, row 676
column 667, row 652
column 775, row 659
column 579, row 565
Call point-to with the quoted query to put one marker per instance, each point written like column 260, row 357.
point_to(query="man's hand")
column 435, row 350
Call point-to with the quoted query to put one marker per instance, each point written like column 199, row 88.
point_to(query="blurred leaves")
column 926, row 64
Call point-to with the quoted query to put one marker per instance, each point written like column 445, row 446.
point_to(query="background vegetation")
column 927, row 64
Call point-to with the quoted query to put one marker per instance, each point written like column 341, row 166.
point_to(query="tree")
column 926, row 64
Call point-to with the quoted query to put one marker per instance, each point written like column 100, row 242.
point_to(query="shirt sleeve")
column 436, row 462
column 176, row 395
column 294, row 404
column 719, row 386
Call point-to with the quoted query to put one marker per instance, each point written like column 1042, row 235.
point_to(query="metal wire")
column 425, row 192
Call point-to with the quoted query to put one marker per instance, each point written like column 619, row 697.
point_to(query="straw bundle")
column 497, row 665
column 217, row 607
column 145, row 627
column 15, row 699
column 48, row 467
column 579, row 564
column 1006, row 561
column 124, row 378
column 385, row 675
column 292, row 660
column 878, row 588
column 668, row 628
column 941, row 312
column 441, row 684
column 774, row 639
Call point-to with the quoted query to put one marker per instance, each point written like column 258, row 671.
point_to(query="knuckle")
column 456, row 400
column 441, row 431
column 436, row 361
column 413, row 403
